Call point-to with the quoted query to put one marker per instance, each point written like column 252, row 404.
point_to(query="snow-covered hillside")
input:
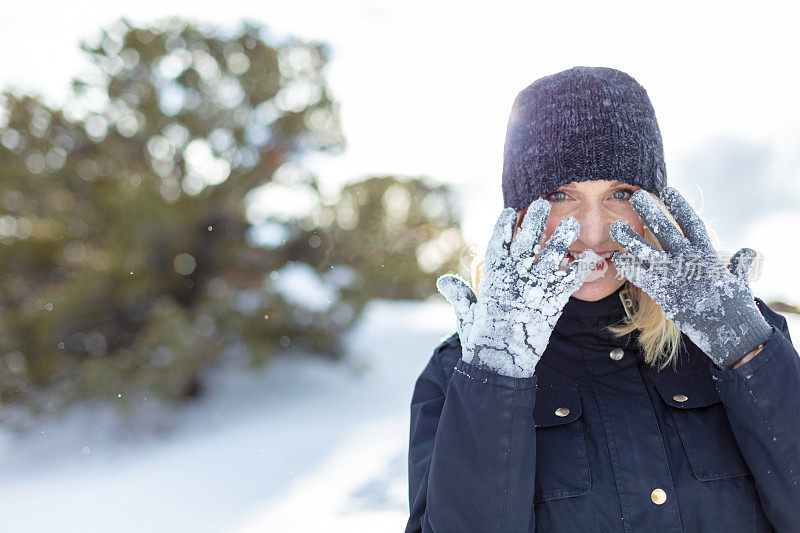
column 307, row 445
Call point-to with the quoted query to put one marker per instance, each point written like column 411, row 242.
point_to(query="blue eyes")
column 629, row 192
column 552, row 196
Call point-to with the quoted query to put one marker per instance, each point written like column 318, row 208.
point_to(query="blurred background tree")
column 135, row 247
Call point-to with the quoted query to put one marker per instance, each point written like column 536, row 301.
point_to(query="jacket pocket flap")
column 556, row 405
column 687, row 391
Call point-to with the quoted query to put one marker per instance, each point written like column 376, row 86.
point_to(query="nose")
column 595, row 221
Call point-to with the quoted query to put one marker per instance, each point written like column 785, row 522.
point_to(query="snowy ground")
column 307, row 445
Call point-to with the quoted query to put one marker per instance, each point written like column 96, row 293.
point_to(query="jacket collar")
column 611, row 305
column 585, row 322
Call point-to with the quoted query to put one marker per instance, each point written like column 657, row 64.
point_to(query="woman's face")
column 596, row 204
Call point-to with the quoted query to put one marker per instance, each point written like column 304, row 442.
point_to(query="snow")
column 304, row 445
column 708, row 306
column 269, row 234
column 300, row 285
column 506, row 330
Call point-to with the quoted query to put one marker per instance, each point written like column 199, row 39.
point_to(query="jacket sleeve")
column 472, row 451
column 762, row 400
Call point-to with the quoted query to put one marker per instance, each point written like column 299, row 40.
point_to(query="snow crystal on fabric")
column 710, row 302
column 522, row 294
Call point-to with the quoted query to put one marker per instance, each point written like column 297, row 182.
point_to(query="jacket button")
column 616, row 354
column 680, row 397
column 562, row 411
column 658, row 496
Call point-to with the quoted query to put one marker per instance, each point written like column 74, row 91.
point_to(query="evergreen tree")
column 132, row 260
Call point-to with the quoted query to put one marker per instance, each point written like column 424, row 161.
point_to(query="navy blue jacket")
column 593, row 442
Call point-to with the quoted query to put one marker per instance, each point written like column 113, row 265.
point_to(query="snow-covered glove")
column 709, row 301
column 507, row 327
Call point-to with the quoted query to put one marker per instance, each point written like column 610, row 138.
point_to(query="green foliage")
column 404, row 231
column 130, row 265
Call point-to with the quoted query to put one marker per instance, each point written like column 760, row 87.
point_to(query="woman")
column 642, row 390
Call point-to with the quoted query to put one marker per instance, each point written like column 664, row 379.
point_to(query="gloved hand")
column 710, row 302
column 507, row 327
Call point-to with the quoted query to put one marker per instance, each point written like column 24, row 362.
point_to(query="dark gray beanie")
column 583, row 123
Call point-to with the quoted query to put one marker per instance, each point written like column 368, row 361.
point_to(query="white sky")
column 426, row 87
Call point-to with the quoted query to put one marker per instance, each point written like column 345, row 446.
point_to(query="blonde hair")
column 659, row 338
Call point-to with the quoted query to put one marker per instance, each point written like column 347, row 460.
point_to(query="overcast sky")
column 426, row 87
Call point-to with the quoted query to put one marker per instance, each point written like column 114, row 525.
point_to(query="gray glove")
column 710, row 302
column 522, row 294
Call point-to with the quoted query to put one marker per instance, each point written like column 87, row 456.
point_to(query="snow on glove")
column 710, row 302
column 507, row 327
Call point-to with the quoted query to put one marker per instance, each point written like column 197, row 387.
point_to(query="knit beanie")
column 583, row 123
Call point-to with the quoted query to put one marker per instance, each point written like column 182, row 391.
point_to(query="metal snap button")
column 562, row 411
column 658, row 496
column 616, row 354
column 680, row 397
